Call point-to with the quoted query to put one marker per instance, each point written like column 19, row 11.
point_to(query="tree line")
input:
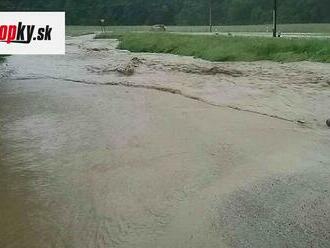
column 177, row 12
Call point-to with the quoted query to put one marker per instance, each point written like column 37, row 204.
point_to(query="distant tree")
column 182, row 12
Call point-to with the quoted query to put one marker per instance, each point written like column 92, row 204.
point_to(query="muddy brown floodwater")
column 106, row 148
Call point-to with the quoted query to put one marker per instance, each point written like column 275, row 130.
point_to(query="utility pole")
column 275, row 19
column 102, row 25
column 210, row 15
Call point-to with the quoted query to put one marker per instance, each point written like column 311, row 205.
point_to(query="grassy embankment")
column 224, row 48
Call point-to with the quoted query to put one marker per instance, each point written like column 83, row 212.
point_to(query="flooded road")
column 91, row 157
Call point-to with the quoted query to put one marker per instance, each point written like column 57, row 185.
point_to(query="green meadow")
column 313, row 28
column 225, row 48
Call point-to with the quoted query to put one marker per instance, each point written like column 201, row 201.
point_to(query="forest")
column 177, row 12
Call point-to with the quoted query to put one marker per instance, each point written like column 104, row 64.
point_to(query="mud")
column 163, row 157
column 127, row 69
column 200, row 70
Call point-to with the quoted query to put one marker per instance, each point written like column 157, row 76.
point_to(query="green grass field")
column 323, row 28
column 225, row 48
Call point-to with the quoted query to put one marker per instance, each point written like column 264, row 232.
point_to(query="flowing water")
column 105, row 148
